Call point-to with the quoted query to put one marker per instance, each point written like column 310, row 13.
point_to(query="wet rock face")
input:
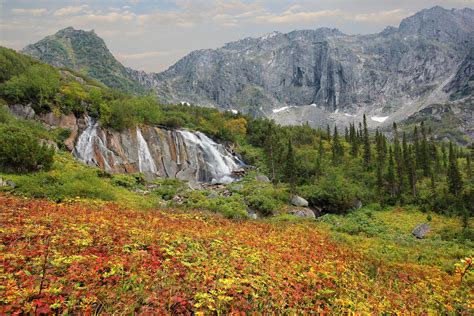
column 156, row 152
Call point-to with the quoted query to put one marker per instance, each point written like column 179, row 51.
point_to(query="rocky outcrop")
column 156, row 152
column 303, row 213
column 298, row 201
column 421, row 230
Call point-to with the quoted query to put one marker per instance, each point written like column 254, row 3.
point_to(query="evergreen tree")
column 454, row 176
column 337, row 149
column 391, row 174
column 398, row 157
column 444, row 156
column 354, row 139
column 328, row 133
column 416, row 142
column 367, row 154
column 424, row 152
column 290, row 168
column 411, row 169
column 468, row 167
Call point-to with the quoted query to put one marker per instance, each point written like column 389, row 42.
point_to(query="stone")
column 213, row 195
column 252, row 214
column 357, row 204
column 193, row 185
column 303, row 213
column 298, row 201
column 10, row 183
column 262, row 178
column 237, row 187
column 421, row 230
column 22, row 111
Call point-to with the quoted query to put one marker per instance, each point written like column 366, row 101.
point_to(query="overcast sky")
column 152, row 35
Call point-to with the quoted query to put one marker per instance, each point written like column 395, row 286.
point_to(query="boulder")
column 303, row 213
column 298, row 201
column 252, row 214
column 237, row 187
column 193, row 185
column 421, row 230
column 357, row 204
column 7, row 183
column 22, row 111
column 213, row 195
column 262, row 178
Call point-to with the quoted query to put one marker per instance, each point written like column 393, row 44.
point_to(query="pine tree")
column 416, row 142
column 424, row 152
column 391, row 174
column 367, row 154
column 346, row 134
column 290, row 168
column 454, row 176
column 328, row 133
column 354, row 139
column 444, row 157
column 269, row 147
column 337, row 149
column 468, row 167
column 398, row 158
column 411, row 169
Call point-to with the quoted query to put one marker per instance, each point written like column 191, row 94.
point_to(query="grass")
column 386, row 234
column 69, row 180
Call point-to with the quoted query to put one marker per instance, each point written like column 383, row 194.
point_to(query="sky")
column 153, row 35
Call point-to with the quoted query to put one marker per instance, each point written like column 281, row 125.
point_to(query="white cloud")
column 290, row 16
column 70, row 10
column 32, row 11
column 381, row 16
column 148, row 54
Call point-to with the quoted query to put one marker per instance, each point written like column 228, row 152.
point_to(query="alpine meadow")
column 307, row 171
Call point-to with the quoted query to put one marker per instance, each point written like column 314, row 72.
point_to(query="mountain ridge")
column 324, row 76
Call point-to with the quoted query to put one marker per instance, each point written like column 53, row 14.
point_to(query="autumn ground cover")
column 100, row 258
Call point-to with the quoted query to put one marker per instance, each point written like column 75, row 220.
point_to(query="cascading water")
column 145, row 160
column 84, row 149
column 187, row 155
column 220, row 163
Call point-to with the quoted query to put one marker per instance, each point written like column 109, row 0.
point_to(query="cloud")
column 148, row 54
column 32, row 11
column 70, row 10
column 290, row 16
column 381, row 16
column 110, row 17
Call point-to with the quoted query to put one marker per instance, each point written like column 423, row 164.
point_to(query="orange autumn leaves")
column 101, row 259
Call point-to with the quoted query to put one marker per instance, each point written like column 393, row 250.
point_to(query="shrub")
column 20, row 151
column 262, row 203
column 333, row 194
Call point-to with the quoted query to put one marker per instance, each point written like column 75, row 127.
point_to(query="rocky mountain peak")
column 306, row 76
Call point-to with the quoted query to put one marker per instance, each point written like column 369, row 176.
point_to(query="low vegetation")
column 76, row 257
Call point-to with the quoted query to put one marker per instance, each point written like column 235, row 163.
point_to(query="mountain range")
column 319, row 77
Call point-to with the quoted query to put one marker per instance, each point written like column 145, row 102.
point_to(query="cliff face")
column 316, row 76
column 303, row 75
column 154, row 151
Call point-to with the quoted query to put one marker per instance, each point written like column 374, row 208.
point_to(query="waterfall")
column 219, row 162
column 84, row 149
column 145, row 160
